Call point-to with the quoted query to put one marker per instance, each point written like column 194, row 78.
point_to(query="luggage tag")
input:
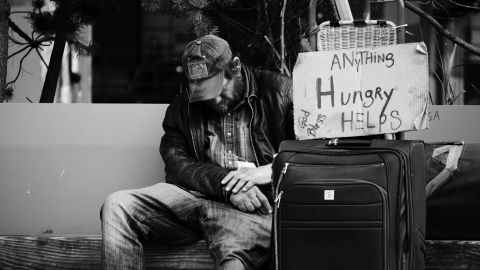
column 329, row 195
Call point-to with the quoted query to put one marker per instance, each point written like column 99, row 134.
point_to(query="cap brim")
column 206, row 89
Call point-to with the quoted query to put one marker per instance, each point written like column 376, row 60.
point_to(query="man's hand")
column 246, row 178
column 251, row 200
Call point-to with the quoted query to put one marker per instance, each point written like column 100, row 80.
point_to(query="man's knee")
column 231, row 264
column 126, row 202
column 116, row 203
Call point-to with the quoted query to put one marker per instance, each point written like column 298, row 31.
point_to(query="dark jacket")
column 183, row 145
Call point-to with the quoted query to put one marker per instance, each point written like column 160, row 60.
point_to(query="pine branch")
column 38, row 4
column 16, row 41
column 198, row 4
column 462, row 43
column 150, row 5
column 6, row 94
column 273, row 47
column 20, row 32
column 202, row 24
column 44, row 22
column 20, row 68
column 41, row 57
column 40, row 41
column 265, row 10
column 19, row 51
column 225, row 3
column 82, row 49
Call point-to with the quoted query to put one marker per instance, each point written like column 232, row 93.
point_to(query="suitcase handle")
column 454, row 151
column 349, row 143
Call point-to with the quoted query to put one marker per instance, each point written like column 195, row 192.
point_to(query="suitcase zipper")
column 278, row 198
column 279, row 195
column 275, row 211
column 382, row 191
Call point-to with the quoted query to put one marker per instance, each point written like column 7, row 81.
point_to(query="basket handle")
column 312, row 23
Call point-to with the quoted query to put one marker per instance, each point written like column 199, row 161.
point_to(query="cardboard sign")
column 358, row 92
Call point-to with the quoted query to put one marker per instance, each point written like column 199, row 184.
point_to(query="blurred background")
column 129, row 51
column 136, row 58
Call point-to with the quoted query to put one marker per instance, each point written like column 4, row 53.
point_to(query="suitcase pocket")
column 336, row 224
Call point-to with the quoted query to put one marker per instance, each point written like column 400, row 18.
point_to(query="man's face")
column 232, row 93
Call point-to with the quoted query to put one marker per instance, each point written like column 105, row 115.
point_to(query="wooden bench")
column 83, row 252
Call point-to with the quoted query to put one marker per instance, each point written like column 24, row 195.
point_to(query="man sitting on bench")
column 218, row 148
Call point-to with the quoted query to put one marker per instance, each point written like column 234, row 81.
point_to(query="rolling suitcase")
column 349, row 205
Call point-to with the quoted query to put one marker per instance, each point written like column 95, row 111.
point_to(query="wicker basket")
column 349, row 35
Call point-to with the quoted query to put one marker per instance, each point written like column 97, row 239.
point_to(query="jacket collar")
column 252, row 90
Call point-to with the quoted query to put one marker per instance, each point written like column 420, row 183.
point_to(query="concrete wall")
column 58, row 162
column 450, row 123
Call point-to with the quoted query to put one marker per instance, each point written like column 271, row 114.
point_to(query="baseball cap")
column 204, row 61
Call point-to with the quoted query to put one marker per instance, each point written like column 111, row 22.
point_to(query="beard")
column 226, row 105
column 221, row 108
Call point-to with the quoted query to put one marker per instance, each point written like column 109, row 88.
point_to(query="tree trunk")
column 4, row 13
column 55, row 63
column 54, row 66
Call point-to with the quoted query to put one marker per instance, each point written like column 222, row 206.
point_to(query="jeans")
column 166, row 214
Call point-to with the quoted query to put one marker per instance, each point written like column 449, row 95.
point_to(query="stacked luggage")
column 346, row 204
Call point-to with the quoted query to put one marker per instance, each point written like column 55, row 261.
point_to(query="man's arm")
column 244, row 179
column 251, row 200
column 181, row 166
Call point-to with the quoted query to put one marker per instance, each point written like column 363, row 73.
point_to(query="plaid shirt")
column 228, row 138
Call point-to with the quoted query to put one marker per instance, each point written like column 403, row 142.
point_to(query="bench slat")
column 83, row 252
